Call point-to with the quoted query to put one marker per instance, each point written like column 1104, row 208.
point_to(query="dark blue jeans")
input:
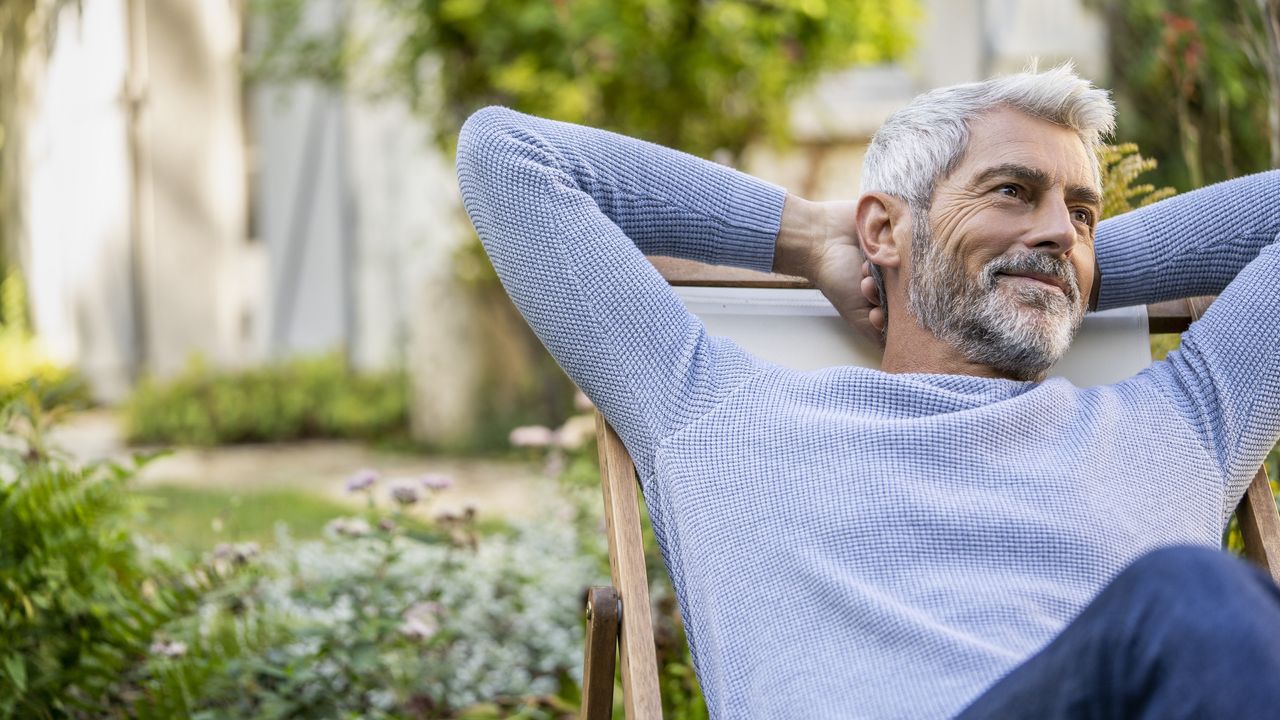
column 1184, row 632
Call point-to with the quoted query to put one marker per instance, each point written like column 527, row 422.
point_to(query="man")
column 953, row 531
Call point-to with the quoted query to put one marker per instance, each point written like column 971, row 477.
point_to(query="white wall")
column 136, row 248
column 79, row 197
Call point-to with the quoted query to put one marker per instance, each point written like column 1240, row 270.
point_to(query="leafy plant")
column 1198, row 83
column 297, row 399
column 81, row 599
column 24, row 364
column 1121, row 165
column 700, row 76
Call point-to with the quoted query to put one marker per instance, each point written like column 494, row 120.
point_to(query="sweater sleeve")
column 1225, row 377
column 566, row 214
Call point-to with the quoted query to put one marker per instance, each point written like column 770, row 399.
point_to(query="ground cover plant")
column 385, row 617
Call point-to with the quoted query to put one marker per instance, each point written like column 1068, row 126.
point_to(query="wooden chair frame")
column 619, row 616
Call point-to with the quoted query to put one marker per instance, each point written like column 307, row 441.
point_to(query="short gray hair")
column 923, row 142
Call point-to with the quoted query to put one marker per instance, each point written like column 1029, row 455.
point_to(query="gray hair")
column 924, row 141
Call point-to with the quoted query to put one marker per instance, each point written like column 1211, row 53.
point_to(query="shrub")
column 81, row 601
column 293, row 400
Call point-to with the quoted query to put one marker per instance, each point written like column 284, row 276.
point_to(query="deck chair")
column 734, row 303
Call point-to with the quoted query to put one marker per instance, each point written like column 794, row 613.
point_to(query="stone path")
column 507, row 489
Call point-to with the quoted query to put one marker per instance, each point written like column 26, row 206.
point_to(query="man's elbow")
column 481, row 134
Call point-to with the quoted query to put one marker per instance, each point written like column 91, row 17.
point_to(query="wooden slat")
column 1173, row 316
column 1260, row 525
column 641, row 696
column 687, row 272
column 604, row 611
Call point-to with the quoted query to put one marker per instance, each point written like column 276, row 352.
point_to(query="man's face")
column 1002, row 266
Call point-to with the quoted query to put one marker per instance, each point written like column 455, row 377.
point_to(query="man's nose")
column 1053, row 231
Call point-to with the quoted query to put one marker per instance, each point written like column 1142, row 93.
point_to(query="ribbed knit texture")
column 847, row 543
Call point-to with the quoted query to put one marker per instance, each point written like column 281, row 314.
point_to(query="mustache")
column 1034, row 263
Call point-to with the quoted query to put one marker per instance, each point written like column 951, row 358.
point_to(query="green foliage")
column 697, row 75
column 297, row 399
column 1121, row 165
column 1190, row 81
column 24, row 364
column 81, row 601
column 392, row 614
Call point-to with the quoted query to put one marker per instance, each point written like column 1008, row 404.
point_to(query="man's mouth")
column 1039, row 279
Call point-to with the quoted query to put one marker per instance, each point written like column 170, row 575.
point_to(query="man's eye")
column 1082, row 215
column 1012, row 191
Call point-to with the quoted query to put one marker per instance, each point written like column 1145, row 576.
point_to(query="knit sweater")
column 847, row 543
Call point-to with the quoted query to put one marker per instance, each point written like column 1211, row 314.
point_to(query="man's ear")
column 883, row 223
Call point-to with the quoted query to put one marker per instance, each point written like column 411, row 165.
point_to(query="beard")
column 1020, row 329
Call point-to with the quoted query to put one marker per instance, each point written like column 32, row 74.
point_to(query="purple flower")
column 405, row 494
column 362, row 480
column 435, row 481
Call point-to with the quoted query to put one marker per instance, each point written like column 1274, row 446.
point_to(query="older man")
column 952, row 531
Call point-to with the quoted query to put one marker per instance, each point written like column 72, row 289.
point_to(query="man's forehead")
column 1009, row 142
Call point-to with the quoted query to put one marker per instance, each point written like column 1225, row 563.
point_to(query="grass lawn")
column 195, row 519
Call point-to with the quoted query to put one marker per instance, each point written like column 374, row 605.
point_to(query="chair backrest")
column 756, row 312
column 798, row 328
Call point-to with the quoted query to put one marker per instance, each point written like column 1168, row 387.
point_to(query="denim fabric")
column 1184, row 632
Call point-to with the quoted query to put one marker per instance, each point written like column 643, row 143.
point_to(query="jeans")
column 1184, row 632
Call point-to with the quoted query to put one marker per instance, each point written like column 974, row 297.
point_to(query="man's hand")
column 819, row 242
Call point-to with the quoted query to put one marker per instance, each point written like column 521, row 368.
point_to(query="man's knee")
column 1184, row 570
column 1199, row 592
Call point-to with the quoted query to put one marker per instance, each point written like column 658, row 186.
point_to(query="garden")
column 368, row 583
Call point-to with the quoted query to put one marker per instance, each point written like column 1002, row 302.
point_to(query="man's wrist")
column 800, row 234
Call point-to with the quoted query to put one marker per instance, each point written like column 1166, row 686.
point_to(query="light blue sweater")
column 847, row 543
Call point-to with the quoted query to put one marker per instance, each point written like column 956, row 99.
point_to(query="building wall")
column 136, row 245
column 78, row 255
column 197, row 266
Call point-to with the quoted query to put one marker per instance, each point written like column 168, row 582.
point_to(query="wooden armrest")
column 604, row 612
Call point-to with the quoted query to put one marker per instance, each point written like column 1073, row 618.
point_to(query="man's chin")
column 1025, row 343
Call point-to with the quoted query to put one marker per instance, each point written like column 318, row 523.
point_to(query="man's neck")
column 910, row 348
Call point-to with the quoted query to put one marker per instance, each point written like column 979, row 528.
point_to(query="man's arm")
column 1191, row 244
column 1225, row 378
column 566, row 214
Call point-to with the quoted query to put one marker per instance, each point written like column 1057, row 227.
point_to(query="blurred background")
column 232, row 227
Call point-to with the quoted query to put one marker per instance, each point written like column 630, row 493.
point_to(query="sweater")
column 847, row 543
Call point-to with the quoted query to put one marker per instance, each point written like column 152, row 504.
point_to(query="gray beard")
column 1020, row 331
